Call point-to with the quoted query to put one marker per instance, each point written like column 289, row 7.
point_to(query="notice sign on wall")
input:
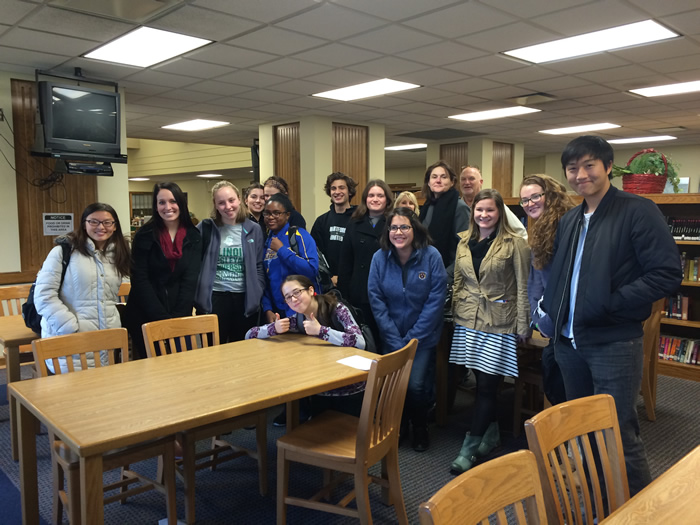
column 57, row 223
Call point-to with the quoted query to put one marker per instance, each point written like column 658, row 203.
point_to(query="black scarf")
column 442, row 224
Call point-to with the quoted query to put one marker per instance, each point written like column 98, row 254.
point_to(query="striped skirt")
column 490, row 353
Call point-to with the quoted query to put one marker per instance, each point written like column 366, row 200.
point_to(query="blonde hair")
column 242, row 209
column 407, row 195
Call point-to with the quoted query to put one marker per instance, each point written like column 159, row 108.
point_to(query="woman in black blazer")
column 166, row 255
column 359, row 244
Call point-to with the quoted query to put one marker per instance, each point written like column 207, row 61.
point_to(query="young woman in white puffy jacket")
column 88, row 297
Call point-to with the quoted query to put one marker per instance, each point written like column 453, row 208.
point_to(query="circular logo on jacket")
column 422, row 275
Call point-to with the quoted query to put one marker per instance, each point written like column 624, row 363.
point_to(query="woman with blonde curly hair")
column 545, row 201
column 407, row 199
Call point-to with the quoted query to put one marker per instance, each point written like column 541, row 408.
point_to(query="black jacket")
column 629, row 261
column 156, row 292
column 360, row 242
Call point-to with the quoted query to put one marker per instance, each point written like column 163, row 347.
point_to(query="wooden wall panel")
column 503, row 168
column 351, row 154
column 288, row 159
column 456, row 155
column 71, row 195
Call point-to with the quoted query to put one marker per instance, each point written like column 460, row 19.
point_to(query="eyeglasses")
column 95, row 223
column 294, row 295
column 276, row 214
column 396, row 227
column 535, row 197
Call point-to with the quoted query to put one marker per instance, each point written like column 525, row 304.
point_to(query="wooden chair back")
column 181, row 333
column 12, row 298
column 124, row 291
column 81, row 344
column 511, row 481
column 382, row 406
column 560, row 438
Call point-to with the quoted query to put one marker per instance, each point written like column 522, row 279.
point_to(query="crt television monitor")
column 79, row 120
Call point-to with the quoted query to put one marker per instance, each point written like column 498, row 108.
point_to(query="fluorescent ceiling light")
column 668, row 89
column 367, row 90
column 139, row 179
column 495, row 113
column 579, row 129
column 209, row 175
column 642, row 139
column 589, row 43
column 146, row 46
column 406, row 146
column 196, row 125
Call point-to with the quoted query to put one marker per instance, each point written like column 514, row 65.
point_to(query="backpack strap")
column 292, row 237
column 67, row 249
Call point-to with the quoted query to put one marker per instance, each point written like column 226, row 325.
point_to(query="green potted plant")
column 647, row 172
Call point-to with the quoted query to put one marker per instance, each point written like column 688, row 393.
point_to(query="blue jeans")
column 615, row 369
column 421, row 383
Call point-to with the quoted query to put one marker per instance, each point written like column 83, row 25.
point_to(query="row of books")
column 679, row 349
column 676, row 307
column 690, row 267
column 684, row 229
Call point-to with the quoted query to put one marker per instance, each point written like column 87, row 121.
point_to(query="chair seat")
column 332, row 434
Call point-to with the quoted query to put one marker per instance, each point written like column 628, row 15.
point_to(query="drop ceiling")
column 269, row 56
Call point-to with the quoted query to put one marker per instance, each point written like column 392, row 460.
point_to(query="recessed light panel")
column 668, row 89
column 139, row 179
column 367, row 90
column 579, row 129
column 632, row 140
column 406, row 147
column 146, row 46
column 209, row 175
column 196, row 125
column 495, row 113
column 589, row 43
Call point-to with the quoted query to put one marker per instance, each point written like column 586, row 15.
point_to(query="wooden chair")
column 124, row 290
column 350, row 445
column 560, row 438
column 489, row 489
column 201, row 331
column 11, row 300
column 65, row 463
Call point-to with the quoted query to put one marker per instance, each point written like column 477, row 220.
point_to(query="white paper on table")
column 356, row 361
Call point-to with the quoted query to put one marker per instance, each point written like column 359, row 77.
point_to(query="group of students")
column 256, row 266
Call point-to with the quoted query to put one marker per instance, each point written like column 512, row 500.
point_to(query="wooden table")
column 13, row 334
column 671, row 498
column 102, row 409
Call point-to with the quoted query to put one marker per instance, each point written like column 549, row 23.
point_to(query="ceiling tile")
column 459, row 101
column 162, row 79
column 461, row 19
column 311, row 102
column 303, row 87
column 392, row 40
column 331, row 22
column 469, row 85
column 659, row 51
column 266, row 95
column 442, row 53
column 203, row 23
column 70, row 23
column 578, row 20
column 13, row 11
column 586, row 64
column 262, row 10
column 226, row 55
column 685, row 23
column 33, row 59
column 341, row 78
column 337, row 55
column 532, row 9
column 681, row 63
column 432, row 77
column 523, row 75
column 193, row 68
column 487, row 65
column 388, row 67
column 187, row 95
column 252, row 78
column 512, row 36
column 665, row 8
column 148, row 90
column 424, row 94
column 390, row 11
column 292, row 68
column 98, row 69
column 46, row 42
column 276, row 40
column 224, row 89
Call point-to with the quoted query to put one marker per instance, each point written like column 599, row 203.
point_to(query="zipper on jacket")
column 567, row 283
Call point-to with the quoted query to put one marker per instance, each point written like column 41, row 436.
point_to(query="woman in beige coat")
column 491, row 313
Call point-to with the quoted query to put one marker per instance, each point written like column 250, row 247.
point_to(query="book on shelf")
column 677, row 307
column 690, row 267
column 680, row 350
column 684, row 229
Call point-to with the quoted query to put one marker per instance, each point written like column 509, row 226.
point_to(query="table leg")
column 292, row 414
column 188, row 471
column 13, row 374
column 27, row 465
column 91, row 492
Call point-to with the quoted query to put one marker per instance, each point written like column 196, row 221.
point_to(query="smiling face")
column 376, row 200
column 406, row 203
column 470, row 182
column 532, row 193
column 401, row 240
column 275, row 216
column 340, row 195
column 99, row 233
column 439, row 181
column 255, row 201
column 269, row 191
column 297, row 297
column 168, row 209
column 227, row 204
column 486, row 216
column 589, row 178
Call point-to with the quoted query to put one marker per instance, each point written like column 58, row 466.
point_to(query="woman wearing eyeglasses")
column 166, row 255
column 407, row 286
column 491, row 315
column 87, row 299
column 281, row 259
column 545, row 201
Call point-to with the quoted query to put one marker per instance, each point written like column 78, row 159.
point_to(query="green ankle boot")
column 491, row 440
column 467, row 455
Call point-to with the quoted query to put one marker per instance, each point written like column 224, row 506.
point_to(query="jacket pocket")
column 503, row 314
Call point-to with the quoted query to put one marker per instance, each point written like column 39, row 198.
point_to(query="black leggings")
column 230, row 309
column 485, row 406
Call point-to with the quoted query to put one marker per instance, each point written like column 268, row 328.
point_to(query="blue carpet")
column 3, row 394
column 10, row 502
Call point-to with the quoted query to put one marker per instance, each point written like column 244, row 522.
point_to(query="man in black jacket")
column 329, row 229
column 614, row 256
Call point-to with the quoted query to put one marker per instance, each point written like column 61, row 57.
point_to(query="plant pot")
column 644, row 183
